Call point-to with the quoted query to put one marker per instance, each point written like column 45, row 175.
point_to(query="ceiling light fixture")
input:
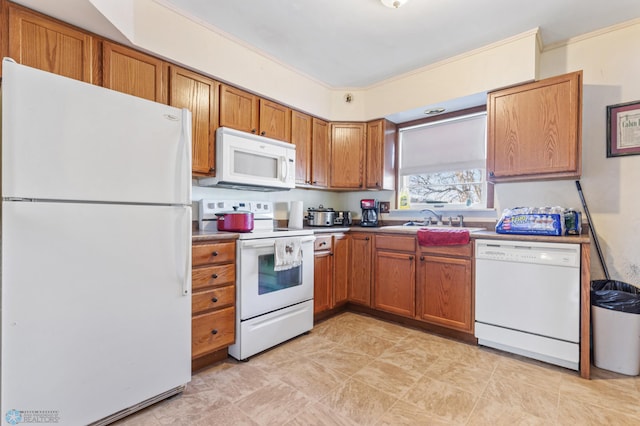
column 394, row 4
column 434, row 111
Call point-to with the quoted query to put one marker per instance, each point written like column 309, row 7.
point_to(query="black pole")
column 593, row 231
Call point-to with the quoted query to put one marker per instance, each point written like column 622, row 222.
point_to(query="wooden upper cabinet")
column 320, row 154
column 49, row 45
column 199, row 95
column 347, row 155
column 534, row 131
column 132, row 72
column 238, row 109
column 301, row 133
column 275, row 120
column 381, row 145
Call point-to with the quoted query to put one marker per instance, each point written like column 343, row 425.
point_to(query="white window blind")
column 455, row 144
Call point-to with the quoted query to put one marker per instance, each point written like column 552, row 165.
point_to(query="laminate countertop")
column 198, row 235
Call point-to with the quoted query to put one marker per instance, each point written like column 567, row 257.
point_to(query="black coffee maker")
column 370, row 212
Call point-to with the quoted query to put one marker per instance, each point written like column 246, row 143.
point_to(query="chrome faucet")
column 438, row 216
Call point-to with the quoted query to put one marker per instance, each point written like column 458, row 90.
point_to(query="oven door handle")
column 270, row 242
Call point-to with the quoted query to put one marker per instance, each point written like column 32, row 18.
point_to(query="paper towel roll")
column 295, row 215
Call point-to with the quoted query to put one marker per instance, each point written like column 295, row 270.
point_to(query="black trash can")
column 616, row 326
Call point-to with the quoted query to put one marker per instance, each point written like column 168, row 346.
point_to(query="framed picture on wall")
column 623, row 129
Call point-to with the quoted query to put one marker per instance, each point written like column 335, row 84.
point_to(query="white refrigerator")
column 96, row 250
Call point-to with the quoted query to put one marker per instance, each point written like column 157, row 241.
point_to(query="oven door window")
column 270, row 281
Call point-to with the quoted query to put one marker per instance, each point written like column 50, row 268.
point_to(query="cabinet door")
column 275, row 121
column 301, row 132
column 49, row 45
column 445, row 292
column 360, row 278
column 320, row 154
column 238, row 109
column 198, row 94
column 394, row 288
column 380, row 170
column 347, row 155
column 322, row 282
column 341, row 262
column 534, row 130
column 132, row 72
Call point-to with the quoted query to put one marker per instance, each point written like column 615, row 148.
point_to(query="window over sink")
column 443, row 160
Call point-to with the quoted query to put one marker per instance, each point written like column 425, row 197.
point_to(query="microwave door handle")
column 284, row 168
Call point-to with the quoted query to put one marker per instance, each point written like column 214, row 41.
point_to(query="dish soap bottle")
column 405, row 202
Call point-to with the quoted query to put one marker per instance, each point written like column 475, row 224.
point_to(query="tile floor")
column 353, row 369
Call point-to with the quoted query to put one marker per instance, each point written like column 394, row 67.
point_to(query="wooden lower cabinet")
column 445, row 287
column 394, row 282
column 213, row 283
column 341, row 262
column 331, row 262
column 361, row 263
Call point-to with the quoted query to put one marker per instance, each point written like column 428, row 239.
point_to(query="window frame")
column 436, row 118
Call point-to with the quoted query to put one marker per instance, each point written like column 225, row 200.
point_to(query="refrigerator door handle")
column 186, row 139
column 186, row 280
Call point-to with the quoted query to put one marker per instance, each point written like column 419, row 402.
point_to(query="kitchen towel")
column 288, row 253
column 442, row 237
column 295, row 215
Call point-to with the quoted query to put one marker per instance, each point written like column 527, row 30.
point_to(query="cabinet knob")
column 214, row 331
column 324, row 243
column 263, row 133
column 214, row 254
column 212, row 169
column 360, row 185
column 253, row 130
column 331, row 254
column 314, row 182
column 491, row 174
column 410, row 257
column 366, row 238
column 214, row 299
column 377, row 184
column 214, row 276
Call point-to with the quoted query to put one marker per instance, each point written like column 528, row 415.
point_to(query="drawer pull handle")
column 214, row 254
column 214, row 331
column 214, row 299
column 214, row 276
column 422, row 258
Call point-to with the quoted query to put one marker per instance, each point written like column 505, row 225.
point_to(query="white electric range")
column 271, row 306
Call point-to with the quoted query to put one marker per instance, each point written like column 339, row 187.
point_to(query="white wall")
column 611, row 69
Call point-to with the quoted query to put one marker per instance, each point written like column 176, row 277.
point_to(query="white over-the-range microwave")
column 248, row 161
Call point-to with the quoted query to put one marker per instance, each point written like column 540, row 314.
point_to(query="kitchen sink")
column 414, row 226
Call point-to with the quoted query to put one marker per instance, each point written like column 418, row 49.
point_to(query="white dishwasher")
column 528, row 299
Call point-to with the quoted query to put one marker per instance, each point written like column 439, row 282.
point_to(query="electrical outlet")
column 385, row 206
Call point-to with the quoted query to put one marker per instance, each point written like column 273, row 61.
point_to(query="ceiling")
column 357, row 43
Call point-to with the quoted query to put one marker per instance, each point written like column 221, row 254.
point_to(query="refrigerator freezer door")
column 94, row 315
column 67, row 140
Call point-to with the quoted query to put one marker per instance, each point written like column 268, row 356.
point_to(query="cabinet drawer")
column 213, row 299
column 396, row 243
column 457, row 250
column 203, row 254
column 322, row 243
column 213, row 276
column 212, row 331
